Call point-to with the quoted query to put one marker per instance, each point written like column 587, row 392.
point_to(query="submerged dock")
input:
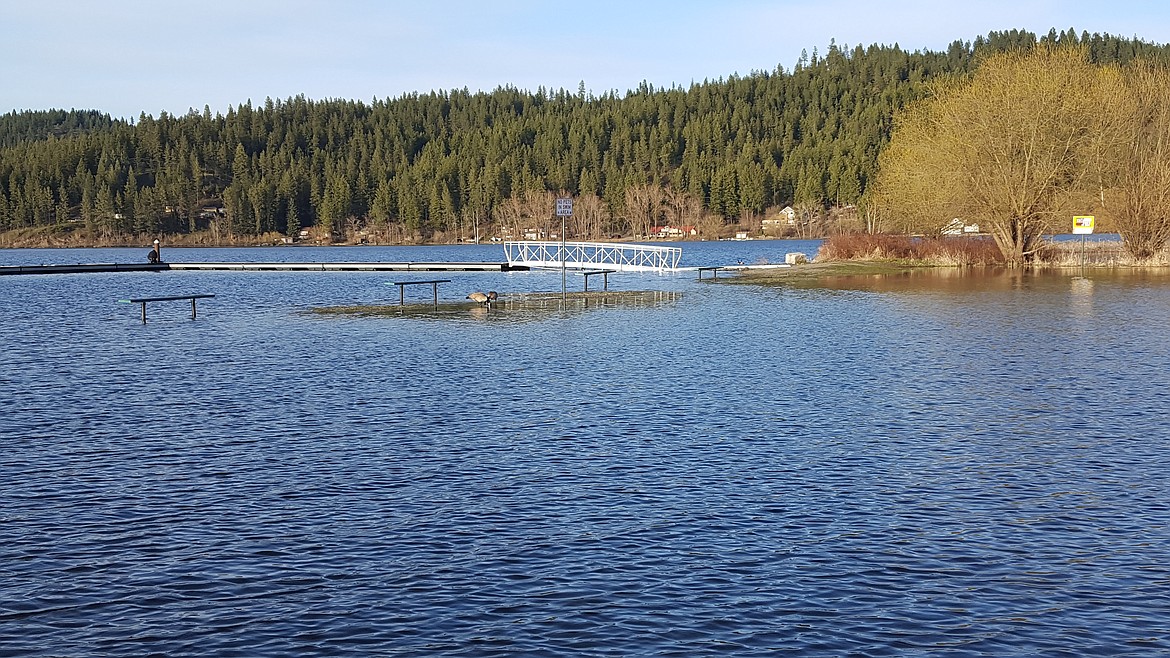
column 262, row 267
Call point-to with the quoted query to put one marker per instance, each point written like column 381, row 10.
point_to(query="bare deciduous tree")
column 531, row 210
column 1011, row 148
column 1137, row 180
column 809, row 215
column 590, row 217
column 643, row 207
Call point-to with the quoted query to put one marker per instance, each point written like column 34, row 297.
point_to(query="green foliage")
column 20, row 127
column 423, row 163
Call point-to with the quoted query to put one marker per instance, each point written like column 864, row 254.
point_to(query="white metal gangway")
column 593, row 256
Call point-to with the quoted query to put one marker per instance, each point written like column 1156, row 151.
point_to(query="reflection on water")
column 988, row 279
column 518, row 307
column 550, row 302
column 1082, row 295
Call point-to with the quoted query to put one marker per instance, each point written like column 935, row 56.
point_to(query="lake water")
column 916, row 465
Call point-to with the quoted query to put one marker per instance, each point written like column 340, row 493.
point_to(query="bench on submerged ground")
column 144, row 300
column 604, row 278
column 713, row 270
column 402, row 288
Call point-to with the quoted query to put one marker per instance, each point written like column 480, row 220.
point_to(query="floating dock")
column 262, row 267
column 82, row 267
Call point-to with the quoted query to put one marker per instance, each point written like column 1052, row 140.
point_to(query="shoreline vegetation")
column 846, row 253
column 858, row 255
column 978, row 251
column 70, row 237
column 1029, row 141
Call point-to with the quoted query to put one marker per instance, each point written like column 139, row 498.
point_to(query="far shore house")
column 958, row 227
column 211, row 212
column 669, row 231
column 780, row 222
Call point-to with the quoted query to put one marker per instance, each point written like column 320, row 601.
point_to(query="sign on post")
column 1083, row 224
column 564, row 207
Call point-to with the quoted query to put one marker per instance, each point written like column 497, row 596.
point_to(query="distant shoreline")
column 40, row 239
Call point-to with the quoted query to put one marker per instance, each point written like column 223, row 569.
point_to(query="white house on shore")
column 958, row 227
column 669, row 231
column 779, row 222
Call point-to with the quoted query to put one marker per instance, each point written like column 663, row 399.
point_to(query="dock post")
column 401, row 295
column 143, row 312
column 192, row 308
column 435, row 290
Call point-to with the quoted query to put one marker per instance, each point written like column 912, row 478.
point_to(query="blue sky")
column 137, row 56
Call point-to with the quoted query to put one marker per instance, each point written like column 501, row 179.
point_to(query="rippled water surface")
column 928, row 465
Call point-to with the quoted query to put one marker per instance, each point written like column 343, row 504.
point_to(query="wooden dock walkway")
column 262, row 267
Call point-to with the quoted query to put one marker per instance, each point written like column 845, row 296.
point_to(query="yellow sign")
column 1083, row 224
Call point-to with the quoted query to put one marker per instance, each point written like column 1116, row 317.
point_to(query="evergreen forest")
column 450, row 165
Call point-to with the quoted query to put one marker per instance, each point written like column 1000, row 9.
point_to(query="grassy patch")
column 53, row 235
column 515, row 307
column 943, row 251
column 812, row 272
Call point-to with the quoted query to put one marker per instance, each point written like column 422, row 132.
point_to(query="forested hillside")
column 431, row 166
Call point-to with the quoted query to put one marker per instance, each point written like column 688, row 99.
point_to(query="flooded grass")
column 886, row 276
column 946, row 250
column 534, row 305
column 811, row 273
column 1102, row 259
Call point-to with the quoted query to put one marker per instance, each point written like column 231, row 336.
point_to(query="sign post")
column 1082, row 226
column 564, row 209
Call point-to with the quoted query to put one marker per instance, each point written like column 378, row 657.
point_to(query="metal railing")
column 593, row 256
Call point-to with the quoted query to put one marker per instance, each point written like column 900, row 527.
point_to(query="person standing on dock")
column 155, row 255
